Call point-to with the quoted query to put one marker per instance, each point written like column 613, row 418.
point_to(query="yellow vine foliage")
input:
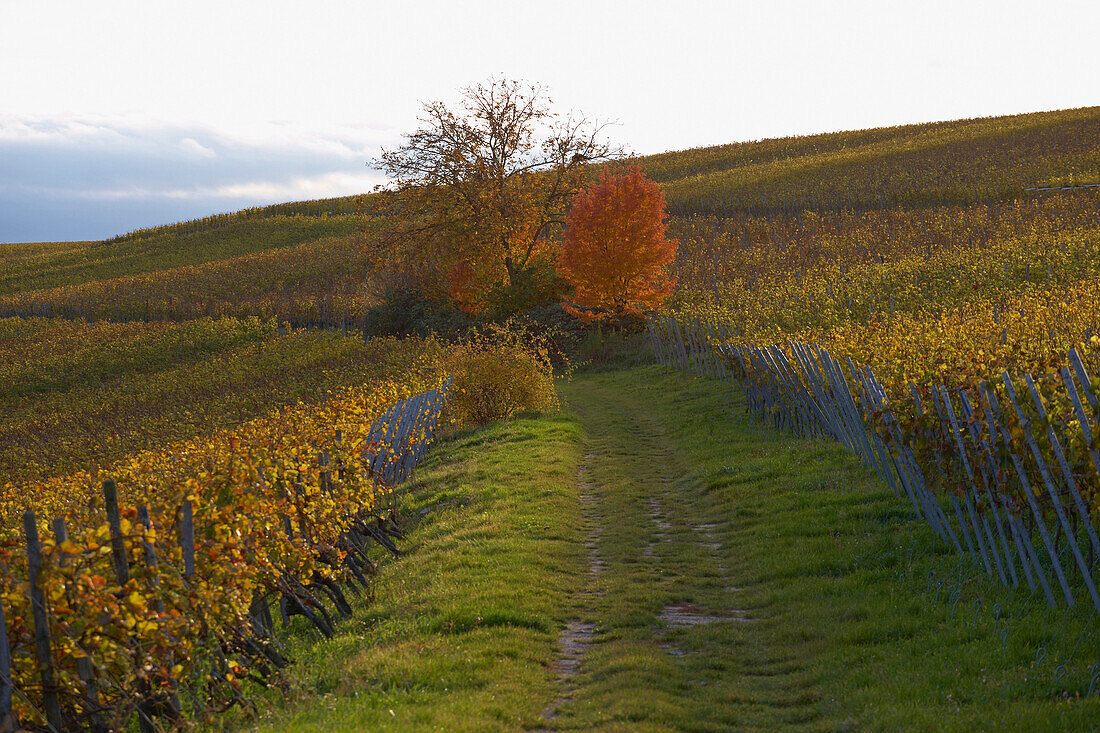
column 248, row 486
column 954, row 296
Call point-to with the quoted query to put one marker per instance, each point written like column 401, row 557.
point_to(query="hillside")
column 943, row 163
column 749, row 534
column 61, row 264
column 310, row 262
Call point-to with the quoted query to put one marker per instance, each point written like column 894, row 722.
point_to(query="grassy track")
column 732, row 579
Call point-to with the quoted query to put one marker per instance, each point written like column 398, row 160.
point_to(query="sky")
column 116, row 115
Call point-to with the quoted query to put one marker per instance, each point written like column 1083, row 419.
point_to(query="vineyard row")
column 164, row 611
column 1008, row 472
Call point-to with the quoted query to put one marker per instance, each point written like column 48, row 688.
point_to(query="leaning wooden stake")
column 150, row 553
column 187, row 540
column 118, row 544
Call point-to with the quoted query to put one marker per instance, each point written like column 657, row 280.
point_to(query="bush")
column 498, row 372
column 407, row 311
column 534, row 287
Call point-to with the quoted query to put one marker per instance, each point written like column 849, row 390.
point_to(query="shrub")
column 408, row 311
column 534, row 287
column 498, row 372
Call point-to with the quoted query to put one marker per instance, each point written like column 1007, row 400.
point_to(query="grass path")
column 647, row 560
column 760, row 582
column 667, row 616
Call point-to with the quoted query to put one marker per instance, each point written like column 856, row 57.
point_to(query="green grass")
column 849, row 628
column 463, row 627
column 835, row 615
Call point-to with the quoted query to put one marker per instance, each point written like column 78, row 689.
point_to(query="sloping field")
column 25, row 267
column 960, row 162
column 646, row 559
column 307, row 262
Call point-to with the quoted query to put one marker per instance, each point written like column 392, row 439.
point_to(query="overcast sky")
column 116, row 115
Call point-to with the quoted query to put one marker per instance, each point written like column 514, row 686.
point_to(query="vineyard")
column 167, row 484
column 201, row 446
column 169, row 598
column 916, row 166
column 78, row 395
column 947, row 335
column 741, row 211
column 964, row 291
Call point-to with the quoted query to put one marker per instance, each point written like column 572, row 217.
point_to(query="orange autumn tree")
column 614, row 251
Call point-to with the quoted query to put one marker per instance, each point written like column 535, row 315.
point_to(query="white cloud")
column 348, row 140
column 192, row 145
column 327, row 185
column 118, row 172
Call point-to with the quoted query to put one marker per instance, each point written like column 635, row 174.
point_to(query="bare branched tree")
column 486, row 185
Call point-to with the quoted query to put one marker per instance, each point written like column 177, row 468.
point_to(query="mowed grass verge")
column 463, row 627
column 858, row 620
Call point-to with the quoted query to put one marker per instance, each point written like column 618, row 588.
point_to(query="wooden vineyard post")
column 982, row 534
column 962, row 522
column 688, row 355
column 382, row 458
column 118, row 545
column 885, row 463
column 698, row 362
column 912, row 479
column 1029, row 558
column 661, row 339
column 340, row 473
column 408, row 451
column 288, row 528
column 698, row 348
column 930, row 496
column 664, row 336
column 823, row 408
column 674, row 327
column 323, row 474
column 988, row 473
column 1052, row 491
column 41, row 624
column 710, row 363
column 653, row 338
column 1036, row 512
column 1067, row 473
column 1079, row 411
column 187, row 540
column 661, row 334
